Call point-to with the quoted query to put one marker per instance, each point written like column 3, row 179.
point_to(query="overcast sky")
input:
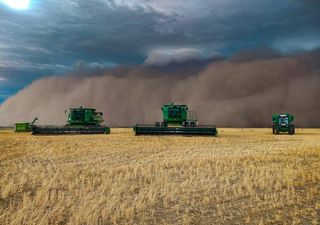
column 53, row 37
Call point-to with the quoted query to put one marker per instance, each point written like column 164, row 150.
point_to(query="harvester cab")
column 178, row 115
column 84, row 116
column 176, row 120
column 283, row 123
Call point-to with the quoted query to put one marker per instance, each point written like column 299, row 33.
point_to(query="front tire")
column 273, row 129
column 277, row 130
column 291, row 129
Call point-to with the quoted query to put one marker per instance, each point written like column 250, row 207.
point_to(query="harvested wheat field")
column 245, row 176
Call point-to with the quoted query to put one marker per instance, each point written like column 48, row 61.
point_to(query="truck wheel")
column 157, row 124
column 291, row 129
column 277, row 130
column 192, row 124
column 273, row 129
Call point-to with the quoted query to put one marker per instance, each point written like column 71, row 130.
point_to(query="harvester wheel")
column 273, row 129
column 291, row 129
column 277, row 130
column 192, row 124
column 294, row 129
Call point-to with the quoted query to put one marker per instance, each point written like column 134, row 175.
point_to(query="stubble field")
column 245, row 176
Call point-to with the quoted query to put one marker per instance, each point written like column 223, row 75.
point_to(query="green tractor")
column 24, row 127
column 283, row 123
column 80, row 121
column 176, row 120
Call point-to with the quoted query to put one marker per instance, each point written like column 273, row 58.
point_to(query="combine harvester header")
column 80, row 121
column 176, row 120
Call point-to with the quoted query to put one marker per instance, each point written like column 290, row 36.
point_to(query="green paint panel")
column 22, row 127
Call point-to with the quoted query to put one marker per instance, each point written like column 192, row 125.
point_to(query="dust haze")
column 243, row 91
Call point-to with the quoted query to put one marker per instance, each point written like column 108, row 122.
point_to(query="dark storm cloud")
column 53, row 36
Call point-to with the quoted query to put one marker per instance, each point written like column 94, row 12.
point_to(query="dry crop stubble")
column 245, row 176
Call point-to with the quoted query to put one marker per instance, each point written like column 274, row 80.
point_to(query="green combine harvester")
column 24, row 127
column 80, row 121
column 176, row 120
column 283, row 123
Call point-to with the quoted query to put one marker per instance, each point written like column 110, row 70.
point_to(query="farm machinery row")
column 177, row 120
